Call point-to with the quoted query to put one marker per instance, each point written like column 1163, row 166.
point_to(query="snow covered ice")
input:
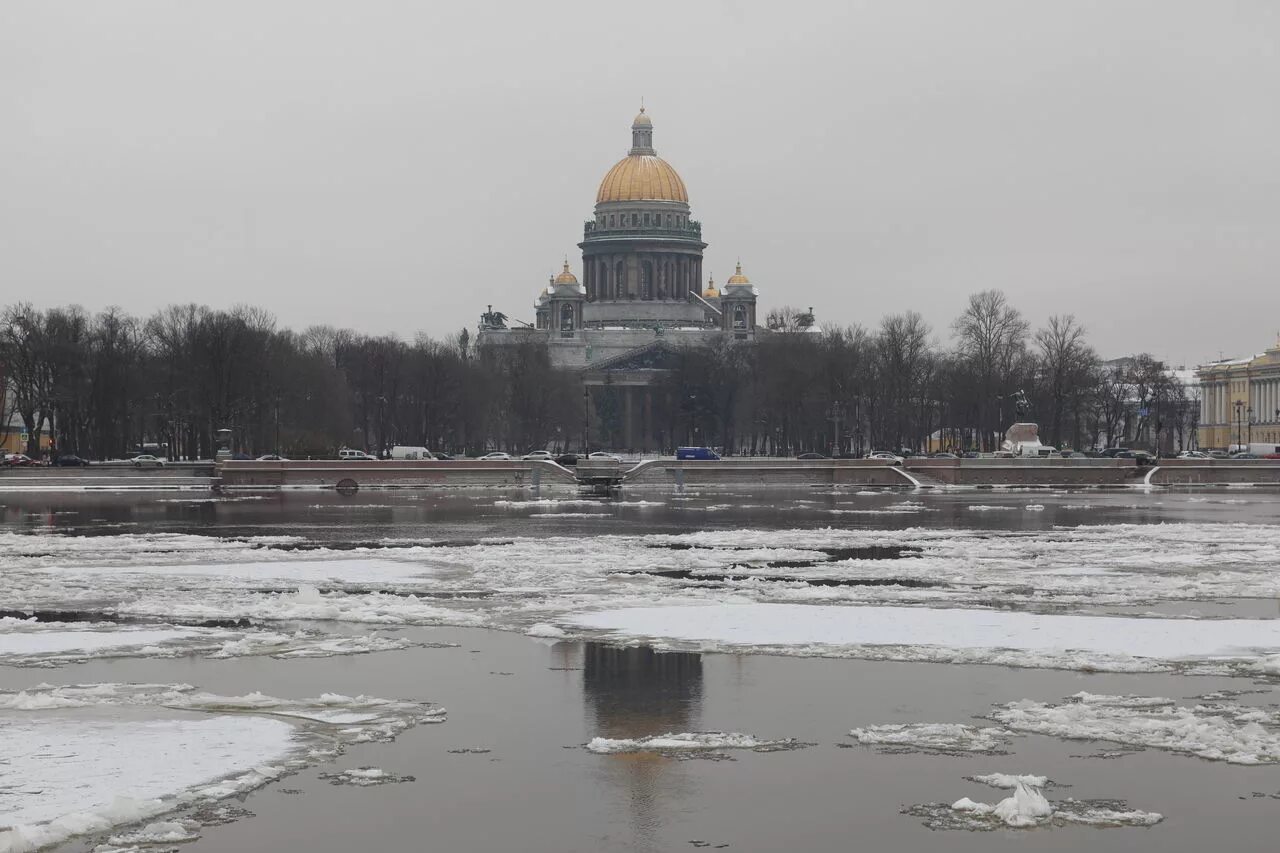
column 690, row 741
column 85, row 758
column 1028, row 808
column 944, row 738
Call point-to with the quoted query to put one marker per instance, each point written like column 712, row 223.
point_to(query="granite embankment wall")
column 1221, row 472
column 1029, row 472
column 322, row 473
column 767, row 472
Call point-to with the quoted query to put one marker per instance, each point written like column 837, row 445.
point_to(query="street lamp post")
column 1248, row 425
column 586, row 417
column 1239, row 412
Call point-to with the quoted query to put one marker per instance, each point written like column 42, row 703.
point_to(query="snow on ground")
column 690, row 741
column 83, row 758
column 31, row 643
column 943, row 738
column 1236, row 734
column 1112, row 643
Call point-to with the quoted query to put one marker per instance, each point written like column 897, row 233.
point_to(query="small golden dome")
column 642, row 177
column 565, row 276
column 738, row 277
column 711, row 292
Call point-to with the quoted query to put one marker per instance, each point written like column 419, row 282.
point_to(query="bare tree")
column 991, row 338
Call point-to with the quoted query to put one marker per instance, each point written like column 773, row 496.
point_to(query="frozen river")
column 752, row 671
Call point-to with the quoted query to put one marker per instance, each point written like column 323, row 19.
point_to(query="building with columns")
column 1240, row 401
column 640, row 295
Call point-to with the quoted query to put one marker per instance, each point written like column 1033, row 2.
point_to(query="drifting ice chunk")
column 943, row 738
column 671, row 742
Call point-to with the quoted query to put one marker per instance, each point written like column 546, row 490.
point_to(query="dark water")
column 533, row 704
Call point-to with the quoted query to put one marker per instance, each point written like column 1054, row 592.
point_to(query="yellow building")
column 1240, row 401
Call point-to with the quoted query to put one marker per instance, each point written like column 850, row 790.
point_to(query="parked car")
column 70, row 460
column 443, row 457
column 1218, row 454
column 496, row 457
column 943, row 455
column 1245, row 456
column 538, row 456
column 1193, row 454
column 146, row 460
column 348, row 455
column 706, row 454
column 18, row 459
column 567, row 459
column 885, row 456
column 811, row 456
column 272, row 457
column 601, row 455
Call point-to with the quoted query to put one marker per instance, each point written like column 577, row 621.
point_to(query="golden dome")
column 642, row 177
column 642, row 120
column 738, row 277
column 711, row 292
column 565, row 276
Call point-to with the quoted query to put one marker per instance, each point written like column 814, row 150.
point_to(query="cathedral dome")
column 711, row 292
column 738, row 277
column 642, row 175
column 565, row 276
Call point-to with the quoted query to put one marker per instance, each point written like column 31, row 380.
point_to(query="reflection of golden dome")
column 565, row 276
column 738, row 277
column 711, row 292
column 642, row 177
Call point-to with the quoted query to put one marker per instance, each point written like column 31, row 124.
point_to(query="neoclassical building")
column 641, row 281
column 639, row 298
column 1240, row 401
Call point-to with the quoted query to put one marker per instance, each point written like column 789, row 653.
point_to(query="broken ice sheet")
column 90, row 757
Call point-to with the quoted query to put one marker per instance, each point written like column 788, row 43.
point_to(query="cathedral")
column 641, row 279
column 640, row 295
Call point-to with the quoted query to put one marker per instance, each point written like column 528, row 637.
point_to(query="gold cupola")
column 738, row 277
column 642, row 175
column 565, row 276
column 711, row 292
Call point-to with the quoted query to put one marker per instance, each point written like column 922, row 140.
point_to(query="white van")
column 347, row 455
column 410, row 453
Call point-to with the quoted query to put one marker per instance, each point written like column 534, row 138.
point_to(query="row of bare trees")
column 108, row 384
column 849, row 390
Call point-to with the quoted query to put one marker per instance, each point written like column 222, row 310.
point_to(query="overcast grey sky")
column 397, row 166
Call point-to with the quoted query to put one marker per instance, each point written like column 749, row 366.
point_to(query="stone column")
column 627, row 419
column 647, row 421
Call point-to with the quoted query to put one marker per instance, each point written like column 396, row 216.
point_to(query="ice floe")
column 364, row 777
column 76, row 765
column 690, row 741
column 948, row 635
column 941, row 738
column 1236, row 734
column 1026, row 808
column 31, row 643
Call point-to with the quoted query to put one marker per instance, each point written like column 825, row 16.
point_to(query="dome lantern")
column 642, row 175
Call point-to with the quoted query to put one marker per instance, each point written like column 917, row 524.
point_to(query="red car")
column 15, row 459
